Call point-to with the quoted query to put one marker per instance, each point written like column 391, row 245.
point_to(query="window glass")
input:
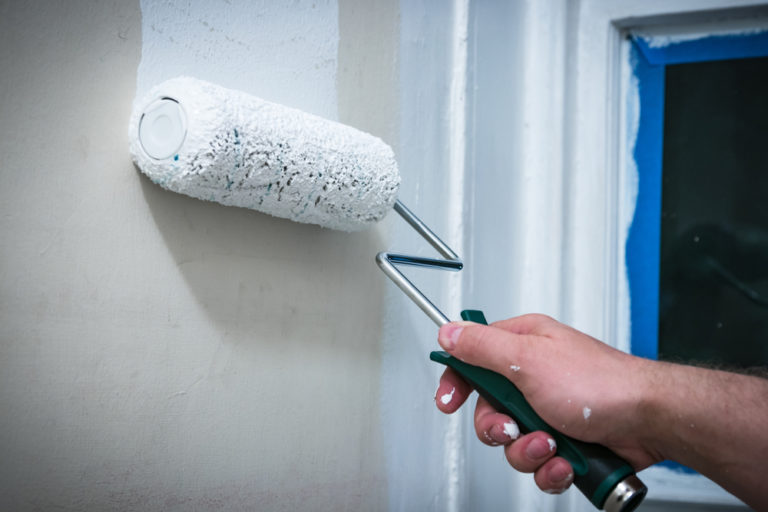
column 713, row 275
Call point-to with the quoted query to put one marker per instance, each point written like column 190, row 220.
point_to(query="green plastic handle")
column 597, row 470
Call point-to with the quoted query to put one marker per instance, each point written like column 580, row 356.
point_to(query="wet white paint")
column 586, row 412
column 431, row 156
column 285, row 53
column 514, row 368
column 512, row 430
column 446, row 398
column 240, row 150
column 552, row 444
column 660, row 37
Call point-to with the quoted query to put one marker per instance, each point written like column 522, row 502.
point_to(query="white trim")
column 665, row 484
column 457, row 140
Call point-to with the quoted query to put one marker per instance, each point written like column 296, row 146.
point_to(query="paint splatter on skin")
column 552, row 444
column 587, row 411
column 514, row 368
column 512, row 430
column 446, row 398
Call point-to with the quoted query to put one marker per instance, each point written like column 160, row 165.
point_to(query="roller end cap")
column 162, row 128
column 626, row 496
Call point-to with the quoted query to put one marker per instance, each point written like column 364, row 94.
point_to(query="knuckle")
column 538, row 318
column 534, row 317
column 472, row 338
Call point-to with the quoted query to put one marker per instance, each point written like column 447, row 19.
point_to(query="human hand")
column 578, row 385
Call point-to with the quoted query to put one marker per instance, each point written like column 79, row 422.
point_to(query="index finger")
column 489, row 347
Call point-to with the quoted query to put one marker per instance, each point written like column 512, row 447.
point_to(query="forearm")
column 714, row 422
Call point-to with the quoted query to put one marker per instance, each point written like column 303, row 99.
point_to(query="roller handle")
column 606, row 480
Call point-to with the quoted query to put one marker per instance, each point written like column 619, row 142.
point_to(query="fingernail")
column 560, row 475
column 552, row 444
column 498, row 435
column 539, row 448
column 449, row 335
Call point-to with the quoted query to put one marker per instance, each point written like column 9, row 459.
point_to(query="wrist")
column 654, row 384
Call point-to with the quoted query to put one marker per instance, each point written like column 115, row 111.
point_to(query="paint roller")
column 202, row 140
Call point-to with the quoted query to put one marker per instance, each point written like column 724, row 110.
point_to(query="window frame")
column 643, row 82
column 549, row 134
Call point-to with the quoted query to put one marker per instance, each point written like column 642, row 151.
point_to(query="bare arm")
column 646, row 411
column 716, row 423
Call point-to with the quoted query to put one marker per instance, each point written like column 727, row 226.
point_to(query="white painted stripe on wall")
column 457, row 139
column 282, row 52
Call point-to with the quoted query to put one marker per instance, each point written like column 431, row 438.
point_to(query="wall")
column 162, row 353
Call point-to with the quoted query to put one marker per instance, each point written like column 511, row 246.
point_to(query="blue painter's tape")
column 644, row 239
column 704, row 49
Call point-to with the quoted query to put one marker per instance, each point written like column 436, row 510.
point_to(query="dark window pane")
column 714, row 232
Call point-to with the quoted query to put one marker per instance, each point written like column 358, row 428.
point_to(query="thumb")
column 487, row 346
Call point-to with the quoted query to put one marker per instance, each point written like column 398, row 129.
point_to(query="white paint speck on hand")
column 512, row 430
column 552, row 444
column 446, row 398
column 514, row 368
column 587, row 412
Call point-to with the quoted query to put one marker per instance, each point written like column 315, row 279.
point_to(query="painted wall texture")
column 162, row 353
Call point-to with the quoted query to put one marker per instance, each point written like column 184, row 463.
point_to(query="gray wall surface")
column 159, row 352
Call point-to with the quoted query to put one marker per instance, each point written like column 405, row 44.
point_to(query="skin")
column 645, row 411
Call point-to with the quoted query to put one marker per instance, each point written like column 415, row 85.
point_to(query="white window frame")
column 670, row 18
column 568, row 189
